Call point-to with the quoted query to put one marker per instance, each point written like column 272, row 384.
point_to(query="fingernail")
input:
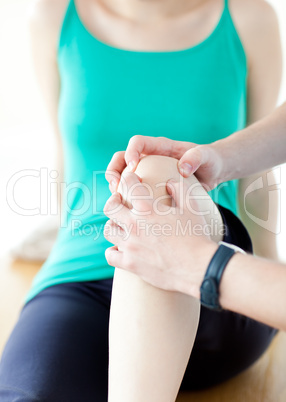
column 113, row 185
column 131, row 166
column 186, row 169
column 109, row 205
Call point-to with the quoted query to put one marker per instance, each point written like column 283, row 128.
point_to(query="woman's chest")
column 118, row 95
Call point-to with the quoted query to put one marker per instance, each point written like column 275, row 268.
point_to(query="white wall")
column 26, row 141
column 280, row 6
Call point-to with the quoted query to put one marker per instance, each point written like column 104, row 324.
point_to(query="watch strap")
column 210, row 285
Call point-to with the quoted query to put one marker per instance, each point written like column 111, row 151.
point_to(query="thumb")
column 190, row 161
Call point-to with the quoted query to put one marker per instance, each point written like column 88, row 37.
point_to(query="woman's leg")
column 58, row 350
column 152, row 331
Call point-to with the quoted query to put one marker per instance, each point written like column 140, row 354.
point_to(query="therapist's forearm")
column 256, row 148
column 256, row 288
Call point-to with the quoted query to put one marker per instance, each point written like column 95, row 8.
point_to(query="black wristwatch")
column 210, row 285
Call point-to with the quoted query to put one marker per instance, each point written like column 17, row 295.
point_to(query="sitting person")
column 191, row 71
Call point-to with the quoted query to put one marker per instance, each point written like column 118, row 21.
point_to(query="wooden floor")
column 263, row 382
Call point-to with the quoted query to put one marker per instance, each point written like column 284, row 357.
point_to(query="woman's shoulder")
column 253, row 17
column 45, row 18
column 256, row 23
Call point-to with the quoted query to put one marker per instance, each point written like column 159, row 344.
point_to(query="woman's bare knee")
column 156, row 170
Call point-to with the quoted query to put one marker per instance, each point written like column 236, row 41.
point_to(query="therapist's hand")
column 163, row 248
column 205, row 160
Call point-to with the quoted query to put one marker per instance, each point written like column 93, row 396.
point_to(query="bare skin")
column 151, row 168
column 146, row 322
column 250, row 286
column 175, row 25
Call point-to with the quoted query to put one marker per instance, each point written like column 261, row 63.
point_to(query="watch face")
column 235, row 248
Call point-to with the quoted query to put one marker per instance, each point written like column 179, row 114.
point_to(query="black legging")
column 58, row 350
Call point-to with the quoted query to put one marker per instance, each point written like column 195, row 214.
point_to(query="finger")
column 183, row 194
column 112, row 227
column 114, row 257
column 115, row 169
column 138, row 196
column 114, row 233
column 175, row 190
column 131, row 182
column 140, row 144
column 190, row 162
column 207, row 163
column 115, row 210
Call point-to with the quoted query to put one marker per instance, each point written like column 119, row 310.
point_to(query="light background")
column 26, row 139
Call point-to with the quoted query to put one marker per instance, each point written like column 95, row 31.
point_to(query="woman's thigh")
column 227, row 343
column 58, row 350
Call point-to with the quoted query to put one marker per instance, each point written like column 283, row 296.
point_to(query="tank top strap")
column 65, row 23
column 227, row 12
column 69, row 4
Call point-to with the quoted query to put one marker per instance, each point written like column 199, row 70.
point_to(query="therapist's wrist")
column 222, row 159
column 196, row 268
column 229, row 155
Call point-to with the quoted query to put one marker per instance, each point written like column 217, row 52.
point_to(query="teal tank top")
column 108, row 95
